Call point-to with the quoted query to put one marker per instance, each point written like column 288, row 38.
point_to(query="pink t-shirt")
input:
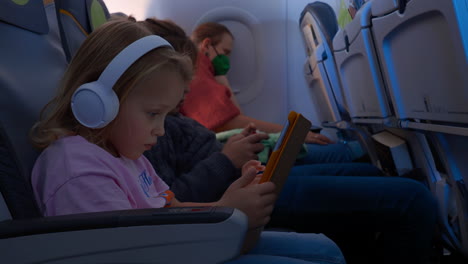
column 73, row 176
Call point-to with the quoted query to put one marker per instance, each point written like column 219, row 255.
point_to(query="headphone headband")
column 95, row 104
column 128, row 56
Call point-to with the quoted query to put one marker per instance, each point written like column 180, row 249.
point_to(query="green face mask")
column 220, row 63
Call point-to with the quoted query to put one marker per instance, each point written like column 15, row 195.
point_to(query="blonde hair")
column 96, row 52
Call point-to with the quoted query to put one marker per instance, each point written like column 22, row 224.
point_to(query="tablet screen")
column 280, row 139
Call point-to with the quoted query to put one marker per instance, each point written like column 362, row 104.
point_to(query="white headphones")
column 95, row 104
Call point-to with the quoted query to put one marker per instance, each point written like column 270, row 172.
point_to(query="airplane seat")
column 76, row 19
column 319, row 25
column 326, row 19
column 24, row 84
column 359, row 70
column 422, row 48
column 33, row 61
column 423, row 51
column 452, row 188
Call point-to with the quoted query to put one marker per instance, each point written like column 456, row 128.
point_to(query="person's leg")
column 336, row 169
column 289, row 247
column 401, row 211
column 331, row 153
column 364, row 240
column 265, row 259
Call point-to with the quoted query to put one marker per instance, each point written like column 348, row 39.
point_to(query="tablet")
column 286, row 150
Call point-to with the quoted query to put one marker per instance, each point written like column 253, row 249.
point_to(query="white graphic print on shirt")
column 146, row 183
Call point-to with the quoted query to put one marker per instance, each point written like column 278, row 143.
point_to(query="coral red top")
column 208, row 101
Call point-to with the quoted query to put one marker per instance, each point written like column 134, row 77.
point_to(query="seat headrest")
column 25, row 14
column 77, row 19
column 325, row 17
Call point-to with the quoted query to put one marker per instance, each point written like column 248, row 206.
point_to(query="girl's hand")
column 255, row 200
column 257, row 165
column 244, row 146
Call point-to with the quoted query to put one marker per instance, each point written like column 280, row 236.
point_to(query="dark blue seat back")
column 326, row 19
column 76, row 19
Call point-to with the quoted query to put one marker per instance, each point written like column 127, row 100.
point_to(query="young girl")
column 94, row 164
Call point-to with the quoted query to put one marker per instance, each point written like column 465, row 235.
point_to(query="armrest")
column 142, row 236
column 112, row 219
column 337, row 125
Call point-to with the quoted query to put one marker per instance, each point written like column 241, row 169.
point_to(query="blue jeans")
column 398, row 214
column 294, row 248
column 331, row 153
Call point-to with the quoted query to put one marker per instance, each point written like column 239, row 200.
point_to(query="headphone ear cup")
column 94, row 106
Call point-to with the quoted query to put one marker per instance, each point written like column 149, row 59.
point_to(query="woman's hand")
column 317, row 139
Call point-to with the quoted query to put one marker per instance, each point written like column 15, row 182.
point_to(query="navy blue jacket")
column 189, row 159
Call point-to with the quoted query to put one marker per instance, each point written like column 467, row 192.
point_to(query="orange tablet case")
column 286, row 149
